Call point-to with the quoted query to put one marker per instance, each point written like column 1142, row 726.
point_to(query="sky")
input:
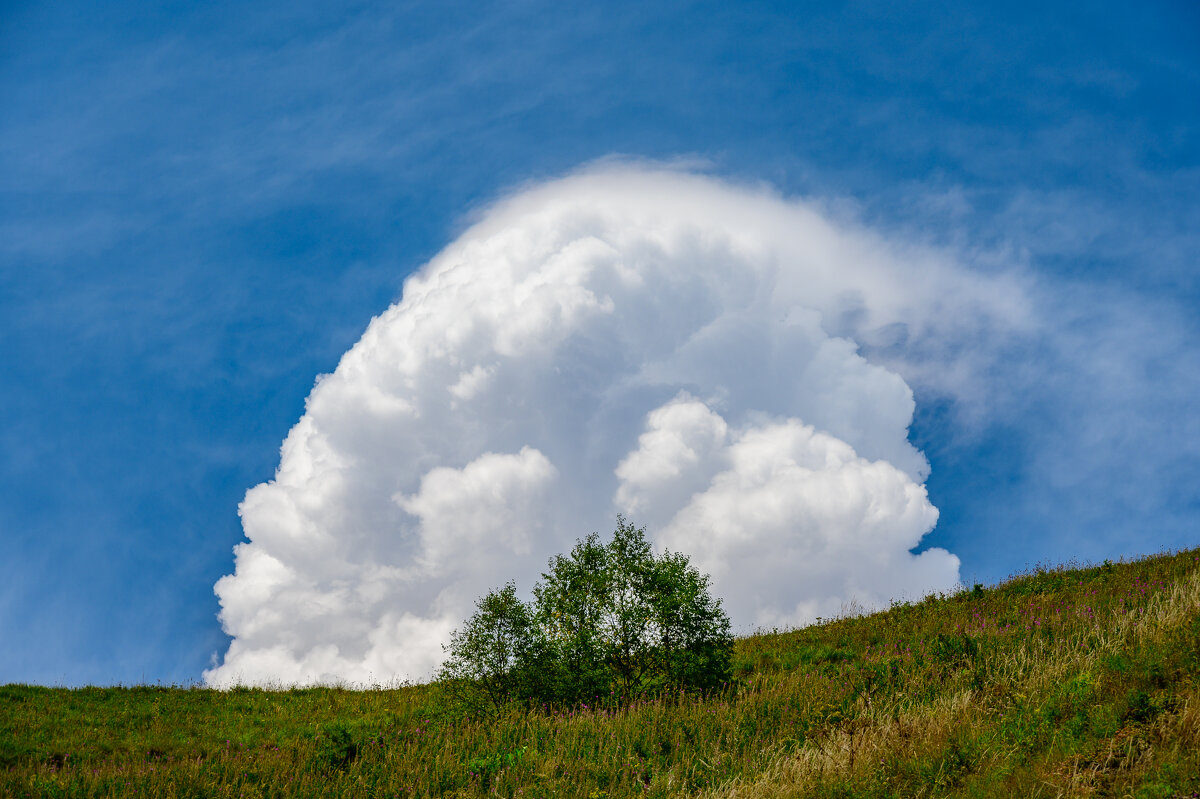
column 846, row 301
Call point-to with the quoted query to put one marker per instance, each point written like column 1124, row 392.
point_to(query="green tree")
column 493, row 656
column 607, row 618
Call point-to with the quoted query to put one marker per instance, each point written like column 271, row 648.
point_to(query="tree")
column 609, row 618
column 492, row 657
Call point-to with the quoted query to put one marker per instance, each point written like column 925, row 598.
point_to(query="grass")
column 1060, row 682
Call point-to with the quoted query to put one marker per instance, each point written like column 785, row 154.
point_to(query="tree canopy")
column 609, row 619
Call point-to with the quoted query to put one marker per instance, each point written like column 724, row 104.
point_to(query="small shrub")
column 1140, row 707
column 336, row 746
column 487, row 767
column 954, row 651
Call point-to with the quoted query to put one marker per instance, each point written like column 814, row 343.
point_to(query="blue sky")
column 201, row 209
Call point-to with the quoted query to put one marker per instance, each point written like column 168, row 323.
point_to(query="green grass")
column 1074, row 682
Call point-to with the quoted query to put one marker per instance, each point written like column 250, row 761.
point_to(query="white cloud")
column 480, row 513
column 673, row 459
column 623, row 339
column 790, row 522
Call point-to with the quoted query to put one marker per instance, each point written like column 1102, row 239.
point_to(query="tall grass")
column 1062, row 681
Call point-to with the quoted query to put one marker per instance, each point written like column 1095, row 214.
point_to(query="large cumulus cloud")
column 721, row 364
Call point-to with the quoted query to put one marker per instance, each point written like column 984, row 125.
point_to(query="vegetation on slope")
column 1060, row 682
column 608, row 619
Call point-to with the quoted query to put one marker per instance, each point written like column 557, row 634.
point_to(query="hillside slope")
column 1061, row 682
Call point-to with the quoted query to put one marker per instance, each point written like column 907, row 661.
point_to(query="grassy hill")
column 1075, row 682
